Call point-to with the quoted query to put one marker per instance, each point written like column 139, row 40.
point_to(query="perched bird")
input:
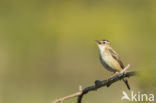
column 110, row 59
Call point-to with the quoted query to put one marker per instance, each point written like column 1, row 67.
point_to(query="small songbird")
column 110, row 59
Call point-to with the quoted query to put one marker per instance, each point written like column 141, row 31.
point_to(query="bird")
column 110, row 59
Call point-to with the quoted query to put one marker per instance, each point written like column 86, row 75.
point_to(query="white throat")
column 101, row 48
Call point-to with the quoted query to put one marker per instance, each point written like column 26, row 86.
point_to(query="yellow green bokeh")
column 47, row 48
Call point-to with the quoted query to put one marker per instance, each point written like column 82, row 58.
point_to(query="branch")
column 98, row 84
column 69, row 96
column 108, row 82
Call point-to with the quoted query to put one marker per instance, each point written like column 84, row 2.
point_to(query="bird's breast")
column 109, row 62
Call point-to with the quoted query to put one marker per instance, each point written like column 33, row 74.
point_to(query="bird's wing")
column 116, row 57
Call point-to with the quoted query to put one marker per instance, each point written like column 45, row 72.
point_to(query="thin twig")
column 69, row 96
column 126, row 68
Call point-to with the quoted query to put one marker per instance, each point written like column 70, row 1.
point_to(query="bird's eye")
column 104, row 42
column 100, row 43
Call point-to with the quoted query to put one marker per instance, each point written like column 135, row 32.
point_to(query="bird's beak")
column 98, row 42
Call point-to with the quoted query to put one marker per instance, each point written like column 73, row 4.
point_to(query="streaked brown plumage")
column 110, row 59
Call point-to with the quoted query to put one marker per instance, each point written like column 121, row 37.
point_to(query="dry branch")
column 67, row 97
column 98, row 84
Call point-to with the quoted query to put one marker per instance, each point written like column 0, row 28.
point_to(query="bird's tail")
column 126, row 82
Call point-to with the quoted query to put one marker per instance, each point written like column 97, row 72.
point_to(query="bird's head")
column 103, row 44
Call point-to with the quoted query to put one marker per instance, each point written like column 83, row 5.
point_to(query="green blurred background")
column 47, row 47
